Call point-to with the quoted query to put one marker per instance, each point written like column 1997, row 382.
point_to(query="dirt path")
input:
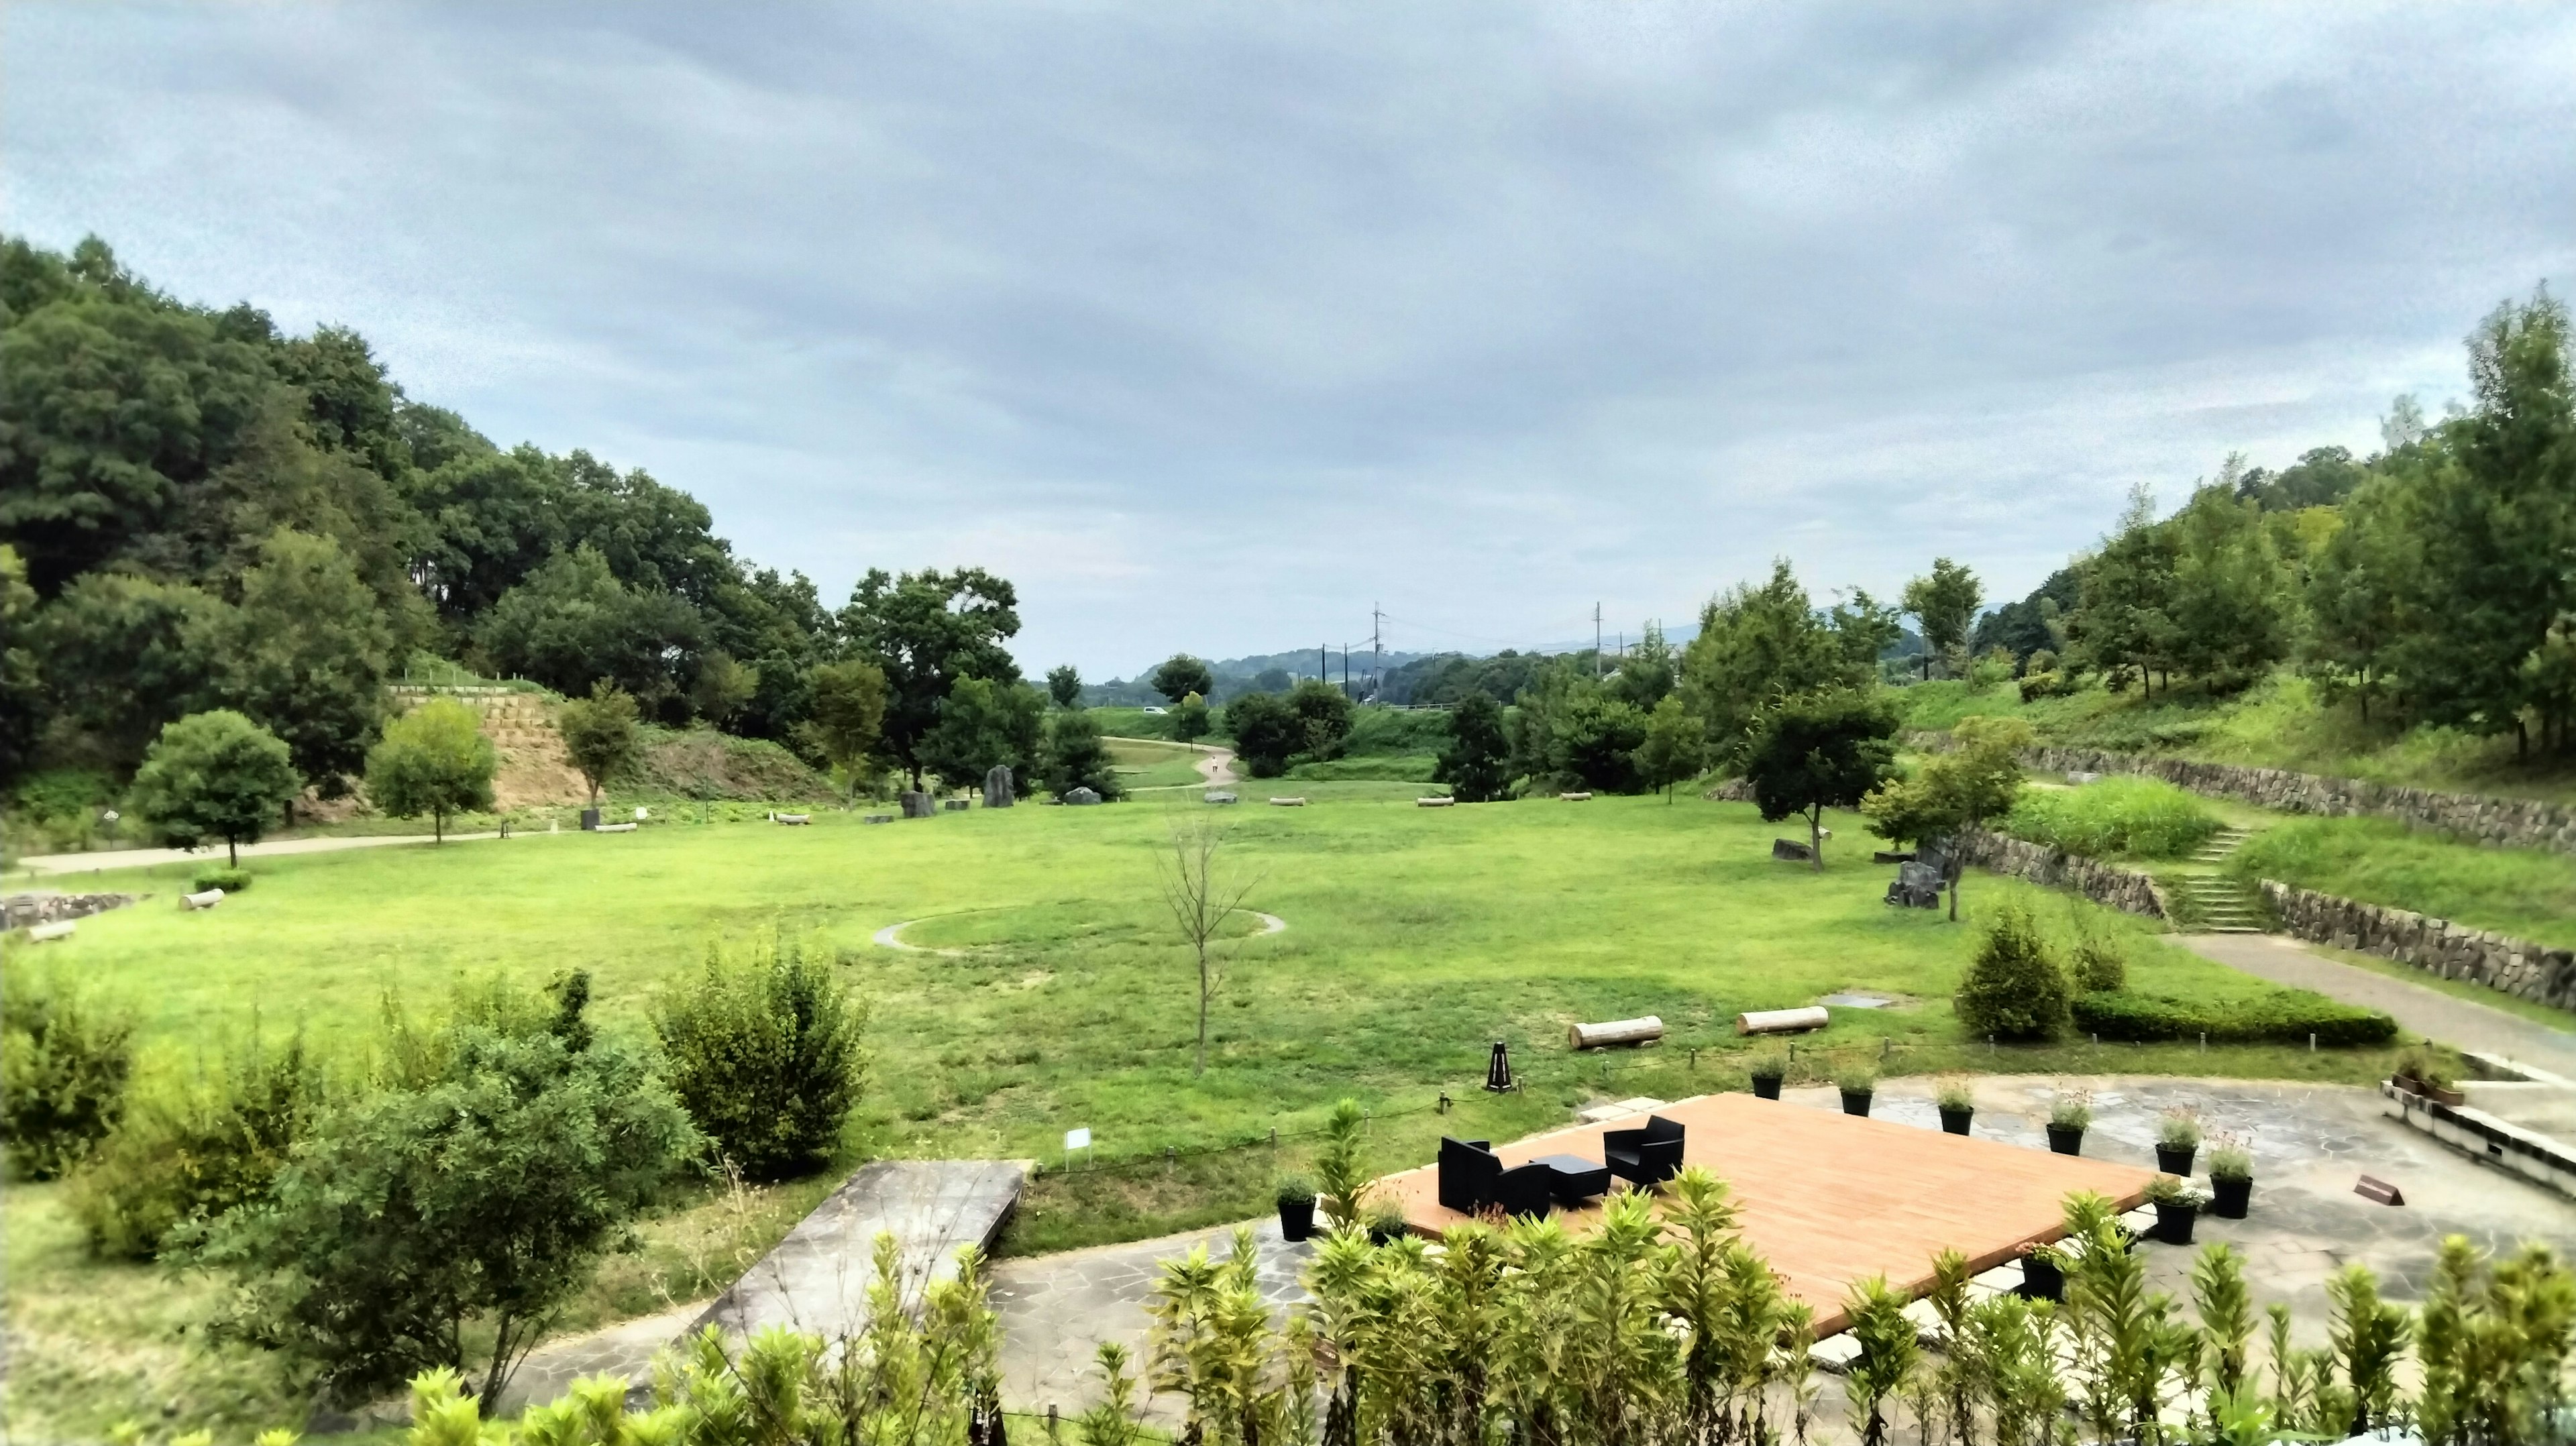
column 2430, row 1012
column 102, row 859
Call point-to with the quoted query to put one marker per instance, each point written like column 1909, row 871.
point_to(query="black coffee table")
column 1574, row 1179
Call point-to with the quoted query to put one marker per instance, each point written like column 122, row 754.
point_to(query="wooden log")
column 614, row 828
column 793, row 817
column 1575, row 797
column 206, row 900
column 1441, row 802
column 1298, row 802
column 1617, row 1031
column 1782, row 1021
column 46, row 933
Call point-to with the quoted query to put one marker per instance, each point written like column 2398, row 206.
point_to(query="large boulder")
column 997, row 786
column 917, row 804
column 1081, row 796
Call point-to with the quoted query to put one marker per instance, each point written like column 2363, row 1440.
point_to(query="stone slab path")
column 2462, row 1023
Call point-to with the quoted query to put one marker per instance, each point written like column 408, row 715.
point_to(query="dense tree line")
column 199, row 511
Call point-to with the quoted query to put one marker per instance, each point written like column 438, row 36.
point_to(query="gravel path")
column 2461, row 1023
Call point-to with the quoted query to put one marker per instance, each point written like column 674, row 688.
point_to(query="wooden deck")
column 1830, row 1198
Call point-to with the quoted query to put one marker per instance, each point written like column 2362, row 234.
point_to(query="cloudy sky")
column 1213, row 325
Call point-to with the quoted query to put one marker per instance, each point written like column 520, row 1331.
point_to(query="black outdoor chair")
column 1646, row 1157
column 1525, row 1190
column 1468, row 1170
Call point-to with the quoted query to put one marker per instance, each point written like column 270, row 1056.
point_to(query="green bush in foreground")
column 764, row 1054
column 2285, row 1016
column 2013, row 990
column 2140, row 817
column 64, row 1064
column 193, row 1150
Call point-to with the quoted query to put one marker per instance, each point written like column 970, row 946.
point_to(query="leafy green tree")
column 479, row 1194
column 1978, row 779
column 1476, row 764
column 1757, row 645
column 1076, row 758
column 983, row 724
column 1865, row 628
column 722, row 687
column 1266, row 733
column 926, row 630
column 1190, row 721
column 1594, row 739
column 1181, row 675
column 1675, row 749
column 600, row 734
column 1323, row 714
column 2356, row 594
column 1649, row 673
column 572, row 624
column 764, row 1055
column 193, row 1149
column 433, row 760
column 1064, row 685
column 214, row 775
column 22, row 695
column 306, row 654
column 1944, row 603
column 1820, row 751
column 121, row 656
column 65, row 1061
column 847, row 706
column 2124, row 620
column 2230, row 590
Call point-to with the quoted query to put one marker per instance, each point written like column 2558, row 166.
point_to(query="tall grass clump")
column 2139, row 817
column 65, row 1061
column 763, row 1051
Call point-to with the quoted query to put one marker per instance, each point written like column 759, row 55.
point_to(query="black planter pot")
column 2066, row 1139
column 590, row 818
column 1856, row 1102
column 1765, row 1089
column 2175, row 1159
column 1296, row 1219
column 2173, row 1222
column 1955, row 1122
column 2229, row 1198
column 1386, row 1236
column 2041, row 1279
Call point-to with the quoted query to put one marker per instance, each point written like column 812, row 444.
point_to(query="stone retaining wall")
column 2514, row 966
column 2105, row 884
column 18, row 911
column 2509, row 822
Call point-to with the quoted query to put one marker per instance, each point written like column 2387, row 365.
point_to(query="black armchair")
column 1647, row 1156
column 1468, row 1170
column 1525, row 1190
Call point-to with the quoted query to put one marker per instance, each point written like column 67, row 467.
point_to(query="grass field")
column 1146, row 763
column 1415, row 938
column 2527, row 893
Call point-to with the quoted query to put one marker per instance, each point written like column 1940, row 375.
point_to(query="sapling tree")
column 1824, row 750
column 1202, row 894
column 433, row 760
column 1955, row 791
column 214, row 775
column 600, row 734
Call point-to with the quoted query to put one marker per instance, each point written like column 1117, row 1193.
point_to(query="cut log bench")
column 47, row 933
column 1617, row 1031
column 1433, row 802
column 206, row 900
column 1575, row 797
column 1298, row 802
column 1782, row 1021
column 792, row 818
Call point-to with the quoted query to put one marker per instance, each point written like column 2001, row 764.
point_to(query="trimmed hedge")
column 2286, row 1016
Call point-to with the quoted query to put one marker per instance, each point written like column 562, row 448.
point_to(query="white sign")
column 1078, row 1139
column 641, row 815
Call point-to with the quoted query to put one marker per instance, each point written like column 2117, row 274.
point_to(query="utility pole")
column 1323, row 664
column 1377, row 648
column 1596, row 642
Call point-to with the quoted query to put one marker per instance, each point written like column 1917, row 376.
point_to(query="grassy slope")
column 2522, row 892
column 1416, row 938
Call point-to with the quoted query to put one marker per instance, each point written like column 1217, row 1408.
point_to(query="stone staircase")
column 2220, row 903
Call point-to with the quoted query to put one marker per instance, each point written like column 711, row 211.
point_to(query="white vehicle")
column 1152, row 712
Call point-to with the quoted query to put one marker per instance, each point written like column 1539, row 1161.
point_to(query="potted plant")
column 2422, row 1072
column 2177, row 1140
column 2043, row 1274
column 1857, row 1085
column 1386, row 1223
column 2067, row 1121
column 2177, row 1206
column 1957, row 1103
column 2231, row 1180
column 1296, row 1207
column 1767, row 1072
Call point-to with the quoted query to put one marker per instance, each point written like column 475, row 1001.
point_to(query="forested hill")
column 198, row 510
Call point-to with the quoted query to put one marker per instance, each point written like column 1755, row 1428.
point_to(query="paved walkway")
column 102, row 859
column 2458, row 1022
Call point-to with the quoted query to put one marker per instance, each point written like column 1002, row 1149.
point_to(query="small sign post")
column 1075, row 1140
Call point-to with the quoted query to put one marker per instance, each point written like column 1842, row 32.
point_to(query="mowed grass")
column 2526, row 893
column 1415, row 938
column 1145, row 763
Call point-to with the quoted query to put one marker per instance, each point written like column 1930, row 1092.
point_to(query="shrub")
column 1296, row 1190
column 230, row 880
column 2231, row 1162
column 2426, row 1067
column 1337, row 1165
column 1954, row 1094
column 2178, row 1130
column 1769, row 1067
column 483, row 1191
column 1856, row 1080
column 191, row 1151
column 2013, row 990
column 2097, row 962
column 2173, row 1190
column 2284, row 1016
column 2072, row 1111
column 2141, row 817
column 764, row 1054
column 64, row 1065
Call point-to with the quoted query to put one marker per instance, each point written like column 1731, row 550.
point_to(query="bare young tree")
column 1201, row 895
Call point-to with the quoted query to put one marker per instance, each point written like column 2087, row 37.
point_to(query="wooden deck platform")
column 1830, row 1198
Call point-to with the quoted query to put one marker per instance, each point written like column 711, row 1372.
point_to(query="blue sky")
column 1213, row 325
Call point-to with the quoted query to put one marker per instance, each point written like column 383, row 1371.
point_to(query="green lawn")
column 1143, row 763
column 1415, row 938
column 2527, row 893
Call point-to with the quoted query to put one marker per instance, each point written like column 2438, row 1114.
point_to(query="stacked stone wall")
column 2105, row 884
column 19, row 911
column 2517, row 967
